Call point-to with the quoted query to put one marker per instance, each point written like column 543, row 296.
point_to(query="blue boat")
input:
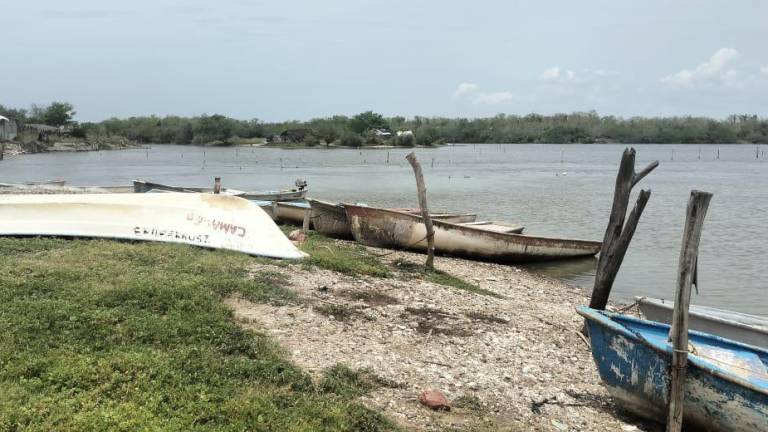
column 726, row 387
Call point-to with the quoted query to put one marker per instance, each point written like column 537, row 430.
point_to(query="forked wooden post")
column 217, row 185
column 422, row 189
column 686, row 277
column 618, row 235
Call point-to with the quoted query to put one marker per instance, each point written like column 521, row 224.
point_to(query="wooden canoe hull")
column 330, row 219
column 142, row 186
column 286, row 212
column 207, row 220
column 744, row 328
column 392, row 229
column 726, row 388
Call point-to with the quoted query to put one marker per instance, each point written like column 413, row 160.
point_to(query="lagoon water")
column 555, row 190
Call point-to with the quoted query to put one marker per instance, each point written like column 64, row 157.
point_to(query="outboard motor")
column 301, row 184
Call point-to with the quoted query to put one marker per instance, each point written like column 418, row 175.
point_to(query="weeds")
column 440, row 277
column 102, row 335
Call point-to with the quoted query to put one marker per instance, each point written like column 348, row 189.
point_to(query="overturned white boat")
column 207, row 220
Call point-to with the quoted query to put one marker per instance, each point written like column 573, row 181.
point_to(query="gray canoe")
column 744, row 328
column 392, row 229
column 280, row 195
column 331, row 219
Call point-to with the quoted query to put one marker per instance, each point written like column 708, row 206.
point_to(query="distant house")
column 382, row 133
column 8, row 129
column 404, row 133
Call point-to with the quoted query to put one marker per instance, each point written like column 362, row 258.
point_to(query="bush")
column 351, row 140
column 311, row 140
column 405, row 140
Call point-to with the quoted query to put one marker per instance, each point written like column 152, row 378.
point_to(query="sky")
column 300, row 59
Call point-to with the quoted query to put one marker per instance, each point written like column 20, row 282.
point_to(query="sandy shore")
column 510, row 363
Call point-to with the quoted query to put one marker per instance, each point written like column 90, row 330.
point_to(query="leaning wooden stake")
column 618, row 235
column 217, row 185
column 686, row 275
column 422, row 189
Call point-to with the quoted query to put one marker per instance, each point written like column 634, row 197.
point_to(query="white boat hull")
column 744, row 328
column 207, row 220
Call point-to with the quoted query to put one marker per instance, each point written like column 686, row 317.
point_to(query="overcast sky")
column 279, row 60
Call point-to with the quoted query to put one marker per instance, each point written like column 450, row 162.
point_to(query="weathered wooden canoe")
column 207, row 220
column 744, row 328
column 443, row 216
column 331, row 219
column 281, row 195
column 391, row 229
column 726, row 387
column 291, row 212
column 34, row 183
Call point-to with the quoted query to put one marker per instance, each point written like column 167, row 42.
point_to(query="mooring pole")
column 686, row 277
column 217, row 185
column 305, row 222
column 2, row 151
column 422, row 190
column 618, row 235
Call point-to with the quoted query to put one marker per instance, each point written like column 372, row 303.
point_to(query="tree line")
column 370, row 128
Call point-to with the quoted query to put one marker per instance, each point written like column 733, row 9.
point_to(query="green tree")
column 58, row 114
column 367, row 120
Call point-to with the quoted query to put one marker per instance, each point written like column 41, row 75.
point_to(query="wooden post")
column 422, row 189
column 305, row 222
column 618, row 235
column 217, row 185
column 2, row 151
column 686, row 277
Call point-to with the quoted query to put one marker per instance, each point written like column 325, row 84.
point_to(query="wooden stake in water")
column 387, row 157
column 562, row 156
column 686, row 275
column 433, row 163
column 217, row 185
column 699, row 153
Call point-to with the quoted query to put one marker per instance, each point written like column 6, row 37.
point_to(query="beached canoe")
column 744, row 328
column 726, row 386
column 291, row 212
column 207, row 220
column 34, row 183
column 141, row 186
column 391, row 229
column 331, row 219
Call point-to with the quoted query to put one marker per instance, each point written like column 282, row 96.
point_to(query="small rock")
column 297, row 236
column 628, row 428
column 559, row 426
column 435, row 400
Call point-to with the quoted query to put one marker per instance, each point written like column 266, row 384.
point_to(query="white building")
column 8, row 129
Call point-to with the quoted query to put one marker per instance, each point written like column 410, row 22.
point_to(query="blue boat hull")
column 726, row 386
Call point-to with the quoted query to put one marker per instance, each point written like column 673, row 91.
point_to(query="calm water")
column 519, row 183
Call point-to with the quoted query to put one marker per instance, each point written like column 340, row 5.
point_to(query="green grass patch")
column 346, row 258
column 439, row 277
column 102, row 335
column 347, row 383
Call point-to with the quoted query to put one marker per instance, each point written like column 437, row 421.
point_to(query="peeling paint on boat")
column 392, row 229
column 726, row 387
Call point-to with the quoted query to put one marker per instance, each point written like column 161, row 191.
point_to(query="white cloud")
column 764, row 70
column 471, row 91
column 714, row 68
column 464, row 88
column 554, row 74
column 494, row 98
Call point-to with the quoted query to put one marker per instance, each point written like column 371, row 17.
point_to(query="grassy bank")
column 101, row 335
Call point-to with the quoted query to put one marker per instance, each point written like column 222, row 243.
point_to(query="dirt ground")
column 513, row 363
